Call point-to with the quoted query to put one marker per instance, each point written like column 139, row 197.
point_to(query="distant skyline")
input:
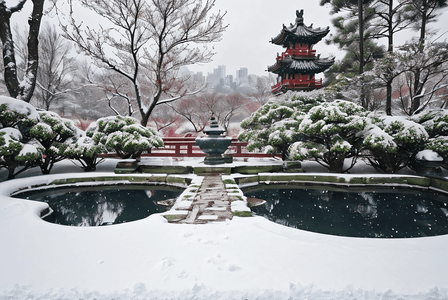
column 252, row 24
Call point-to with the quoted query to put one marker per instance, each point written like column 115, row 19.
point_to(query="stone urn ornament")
column 213, row 143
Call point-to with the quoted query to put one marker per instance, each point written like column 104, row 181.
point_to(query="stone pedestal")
column 214, row 144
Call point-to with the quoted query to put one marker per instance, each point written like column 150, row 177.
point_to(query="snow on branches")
column 330, row 133
column 393, row 142
column 146, row 42
column 336, row 133
column 272, row 128
column 54, row 135
column 16, row 153
column 124, row 136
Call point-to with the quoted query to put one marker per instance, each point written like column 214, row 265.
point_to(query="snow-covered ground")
column 245, row 258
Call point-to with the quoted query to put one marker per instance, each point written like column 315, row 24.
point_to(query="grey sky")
column 252, row 24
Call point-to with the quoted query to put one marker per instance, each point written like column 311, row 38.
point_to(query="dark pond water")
column 376, row 214
column 102, row 206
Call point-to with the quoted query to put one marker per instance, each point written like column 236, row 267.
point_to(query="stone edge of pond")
column 125, row 179
column 233, row 183
column 439, row 184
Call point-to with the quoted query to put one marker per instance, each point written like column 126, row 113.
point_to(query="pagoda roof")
column 300, row 66
column 300, row 33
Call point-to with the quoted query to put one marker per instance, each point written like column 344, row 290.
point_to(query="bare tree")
column 21, row 89
column 421, row 13
column 198, row 110
column 427, row 69
column 151, row 39
column 190, row 109
column 55, row 65
column 163, row 117
column 263, row 90
column 389, row 21
column 55, row 68
column 233, row 104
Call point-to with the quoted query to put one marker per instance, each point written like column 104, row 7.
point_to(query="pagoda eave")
column 299, row 35
column 304, row 67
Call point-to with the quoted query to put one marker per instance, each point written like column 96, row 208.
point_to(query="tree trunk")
column 25, row 89
column 11, row 173
column 361, row 52
column 390, row 49
column 389, row 97
column 9, row 58
column 361, row 37
column 415, row 103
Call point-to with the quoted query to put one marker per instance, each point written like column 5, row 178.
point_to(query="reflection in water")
column 356, row 214
column 101, row 207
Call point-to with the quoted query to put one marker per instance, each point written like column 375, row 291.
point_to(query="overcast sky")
column 252, row 24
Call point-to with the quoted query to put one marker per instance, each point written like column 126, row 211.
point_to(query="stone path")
column 211, row 202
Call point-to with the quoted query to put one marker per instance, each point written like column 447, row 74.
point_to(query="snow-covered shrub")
column 86, row 152
column 393, row 142
column 273, row 127
column 435, row 122
column 123, row 135
column 16, row 118
column 14, row 153
column 331, row 133
column 15, row 113
column 54, row 134
column 440, row 146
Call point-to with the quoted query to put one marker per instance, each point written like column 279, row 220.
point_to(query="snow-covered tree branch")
column 148, row 41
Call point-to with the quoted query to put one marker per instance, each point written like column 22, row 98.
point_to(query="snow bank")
column 245, row 258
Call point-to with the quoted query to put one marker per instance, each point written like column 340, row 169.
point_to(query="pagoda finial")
column 299, row 19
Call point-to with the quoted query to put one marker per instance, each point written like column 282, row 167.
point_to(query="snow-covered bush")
column 440, row 146
column 86, row 152
column 14, row 113
column 273, row 127
column 123, row 135
column 435, row 122
column 16, row 118
column 331, row 133
column 14, row 153
column 393, row 142
column 54, row 134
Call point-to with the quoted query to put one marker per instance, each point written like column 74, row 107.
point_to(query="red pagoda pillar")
column 297, row 66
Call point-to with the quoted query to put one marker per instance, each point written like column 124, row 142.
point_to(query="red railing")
column 186, row 147
column 297, row 53
column 297, row 83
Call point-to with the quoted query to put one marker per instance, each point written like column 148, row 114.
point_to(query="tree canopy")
column 148, row 41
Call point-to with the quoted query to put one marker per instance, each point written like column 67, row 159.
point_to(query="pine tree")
column 353, row 28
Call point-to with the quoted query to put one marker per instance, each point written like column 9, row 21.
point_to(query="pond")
column 375, row 214
column 102, row 206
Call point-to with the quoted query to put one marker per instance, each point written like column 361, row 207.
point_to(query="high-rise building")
column 198, row 77
column 241, row 75
column 222, row 71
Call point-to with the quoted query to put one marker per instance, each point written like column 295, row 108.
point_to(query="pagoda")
column 297, row 66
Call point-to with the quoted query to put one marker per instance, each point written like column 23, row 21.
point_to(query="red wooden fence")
column 186, row 147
